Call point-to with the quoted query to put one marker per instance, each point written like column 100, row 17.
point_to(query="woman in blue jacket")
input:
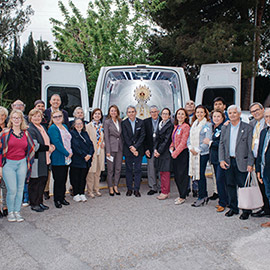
column 83, row 150
column 60, row 157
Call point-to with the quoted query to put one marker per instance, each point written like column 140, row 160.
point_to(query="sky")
column 45, row 9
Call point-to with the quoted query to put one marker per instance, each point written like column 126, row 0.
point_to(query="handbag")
column 250, row 196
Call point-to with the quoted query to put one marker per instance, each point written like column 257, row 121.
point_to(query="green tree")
column 209, row 31
column 112, row 34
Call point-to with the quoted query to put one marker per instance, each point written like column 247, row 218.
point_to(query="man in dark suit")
column 263, row 158
column 133, row 136
column 151, row 126
column 55, row 102
column 236, row 157
column 258, row 124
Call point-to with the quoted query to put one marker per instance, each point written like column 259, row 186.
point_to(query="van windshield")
column 141, row 88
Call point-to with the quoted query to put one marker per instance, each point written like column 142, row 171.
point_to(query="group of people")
column 32, row 147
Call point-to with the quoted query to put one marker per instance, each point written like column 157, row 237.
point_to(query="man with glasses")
column 19, row 105
column 55, row 102
column 151, row 126
column 258, row 123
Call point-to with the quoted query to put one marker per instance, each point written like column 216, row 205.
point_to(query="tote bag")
column 249, row 196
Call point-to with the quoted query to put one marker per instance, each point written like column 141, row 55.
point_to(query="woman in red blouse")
column 179, row 153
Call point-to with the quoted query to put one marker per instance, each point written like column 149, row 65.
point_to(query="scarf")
column 162, row 124
column 99, row 129
column 194, row 161
column 46, row 141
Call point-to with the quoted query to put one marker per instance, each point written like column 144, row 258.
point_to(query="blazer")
column 213, row 158
column 131, row 139
column 162, row 145
column 48, row 112
column 180, row 139
column 40, row 149
column 206, row 132
column 243, row 152
column 149, row 140
column 253, row 123
column 60, row 152
column 260, row 153
column 113, row 137
column 81, row 148
column 101, row 157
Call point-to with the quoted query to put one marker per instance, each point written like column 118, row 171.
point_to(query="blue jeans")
column 221, row 185
column 14, row 173
column 202, row 181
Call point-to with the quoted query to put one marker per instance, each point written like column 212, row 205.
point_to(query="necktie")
column 256, row 134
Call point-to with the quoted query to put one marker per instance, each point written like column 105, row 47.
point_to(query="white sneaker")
column 25, row 204
column 18, row 216
column 77, row 198
column 11, row 217
column 83, row 198
column 177, row 199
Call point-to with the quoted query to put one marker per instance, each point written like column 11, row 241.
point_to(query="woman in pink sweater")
column 179, row 153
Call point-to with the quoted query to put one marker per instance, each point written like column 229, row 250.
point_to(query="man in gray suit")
column 236, row 157
column 258, row 124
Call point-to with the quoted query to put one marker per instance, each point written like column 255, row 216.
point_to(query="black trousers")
column 78, row 179
column 60, row 179
column 265, row 207
column 180, row 170
column 36, row 188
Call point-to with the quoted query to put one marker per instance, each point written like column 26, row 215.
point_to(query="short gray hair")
column 131, row 107
column 76, row 109
column 256, row 103
column 233, row 107
column 4, row 110
column 154, row 107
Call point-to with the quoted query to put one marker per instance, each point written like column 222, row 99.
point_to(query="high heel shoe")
column 199, row 202
column 5, row 212
column 117, row 193
column 111, row 194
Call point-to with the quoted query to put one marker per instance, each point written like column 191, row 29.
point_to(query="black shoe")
column 5, row 212
column 151, row 192
column 58, row 204
column 1, row 215
column 37, row 208
column 137, row 193
column 195, row 193
column 111, row 194
column 230, row 213
column 46, row 195
column 214, row 196
column 117, row 193
column 44, row 207
column 244, row 216
column 64, row 202
column 129, row 193
column 259, row 213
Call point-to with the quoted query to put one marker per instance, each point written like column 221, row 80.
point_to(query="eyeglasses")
column 57, row 116
column 154, row 112
column 16, row 118
column 255, row 110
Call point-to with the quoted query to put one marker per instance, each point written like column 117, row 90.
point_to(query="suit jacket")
column 243, row 152
column 253, row 123
column 101, row 157
column 162, row 145
column 131, row 139
column 149, row 140
column 40, row 149
column 260, row 151
column 113, row 137
column 48, row 112
column 81, row 148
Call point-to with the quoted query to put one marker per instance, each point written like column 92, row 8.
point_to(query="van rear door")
column 219, row 80
column 69, row 81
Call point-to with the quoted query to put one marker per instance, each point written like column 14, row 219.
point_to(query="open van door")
column 219, row 80
column 69, row 81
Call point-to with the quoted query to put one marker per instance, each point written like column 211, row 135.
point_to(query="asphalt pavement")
column 133, row 233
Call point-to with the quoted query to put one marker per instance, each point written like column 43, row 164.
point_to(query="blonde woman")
column 16, row 157
column 95, row 132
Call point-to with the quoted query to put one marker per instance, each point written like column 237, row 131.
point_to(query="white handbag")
column 250, row 196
